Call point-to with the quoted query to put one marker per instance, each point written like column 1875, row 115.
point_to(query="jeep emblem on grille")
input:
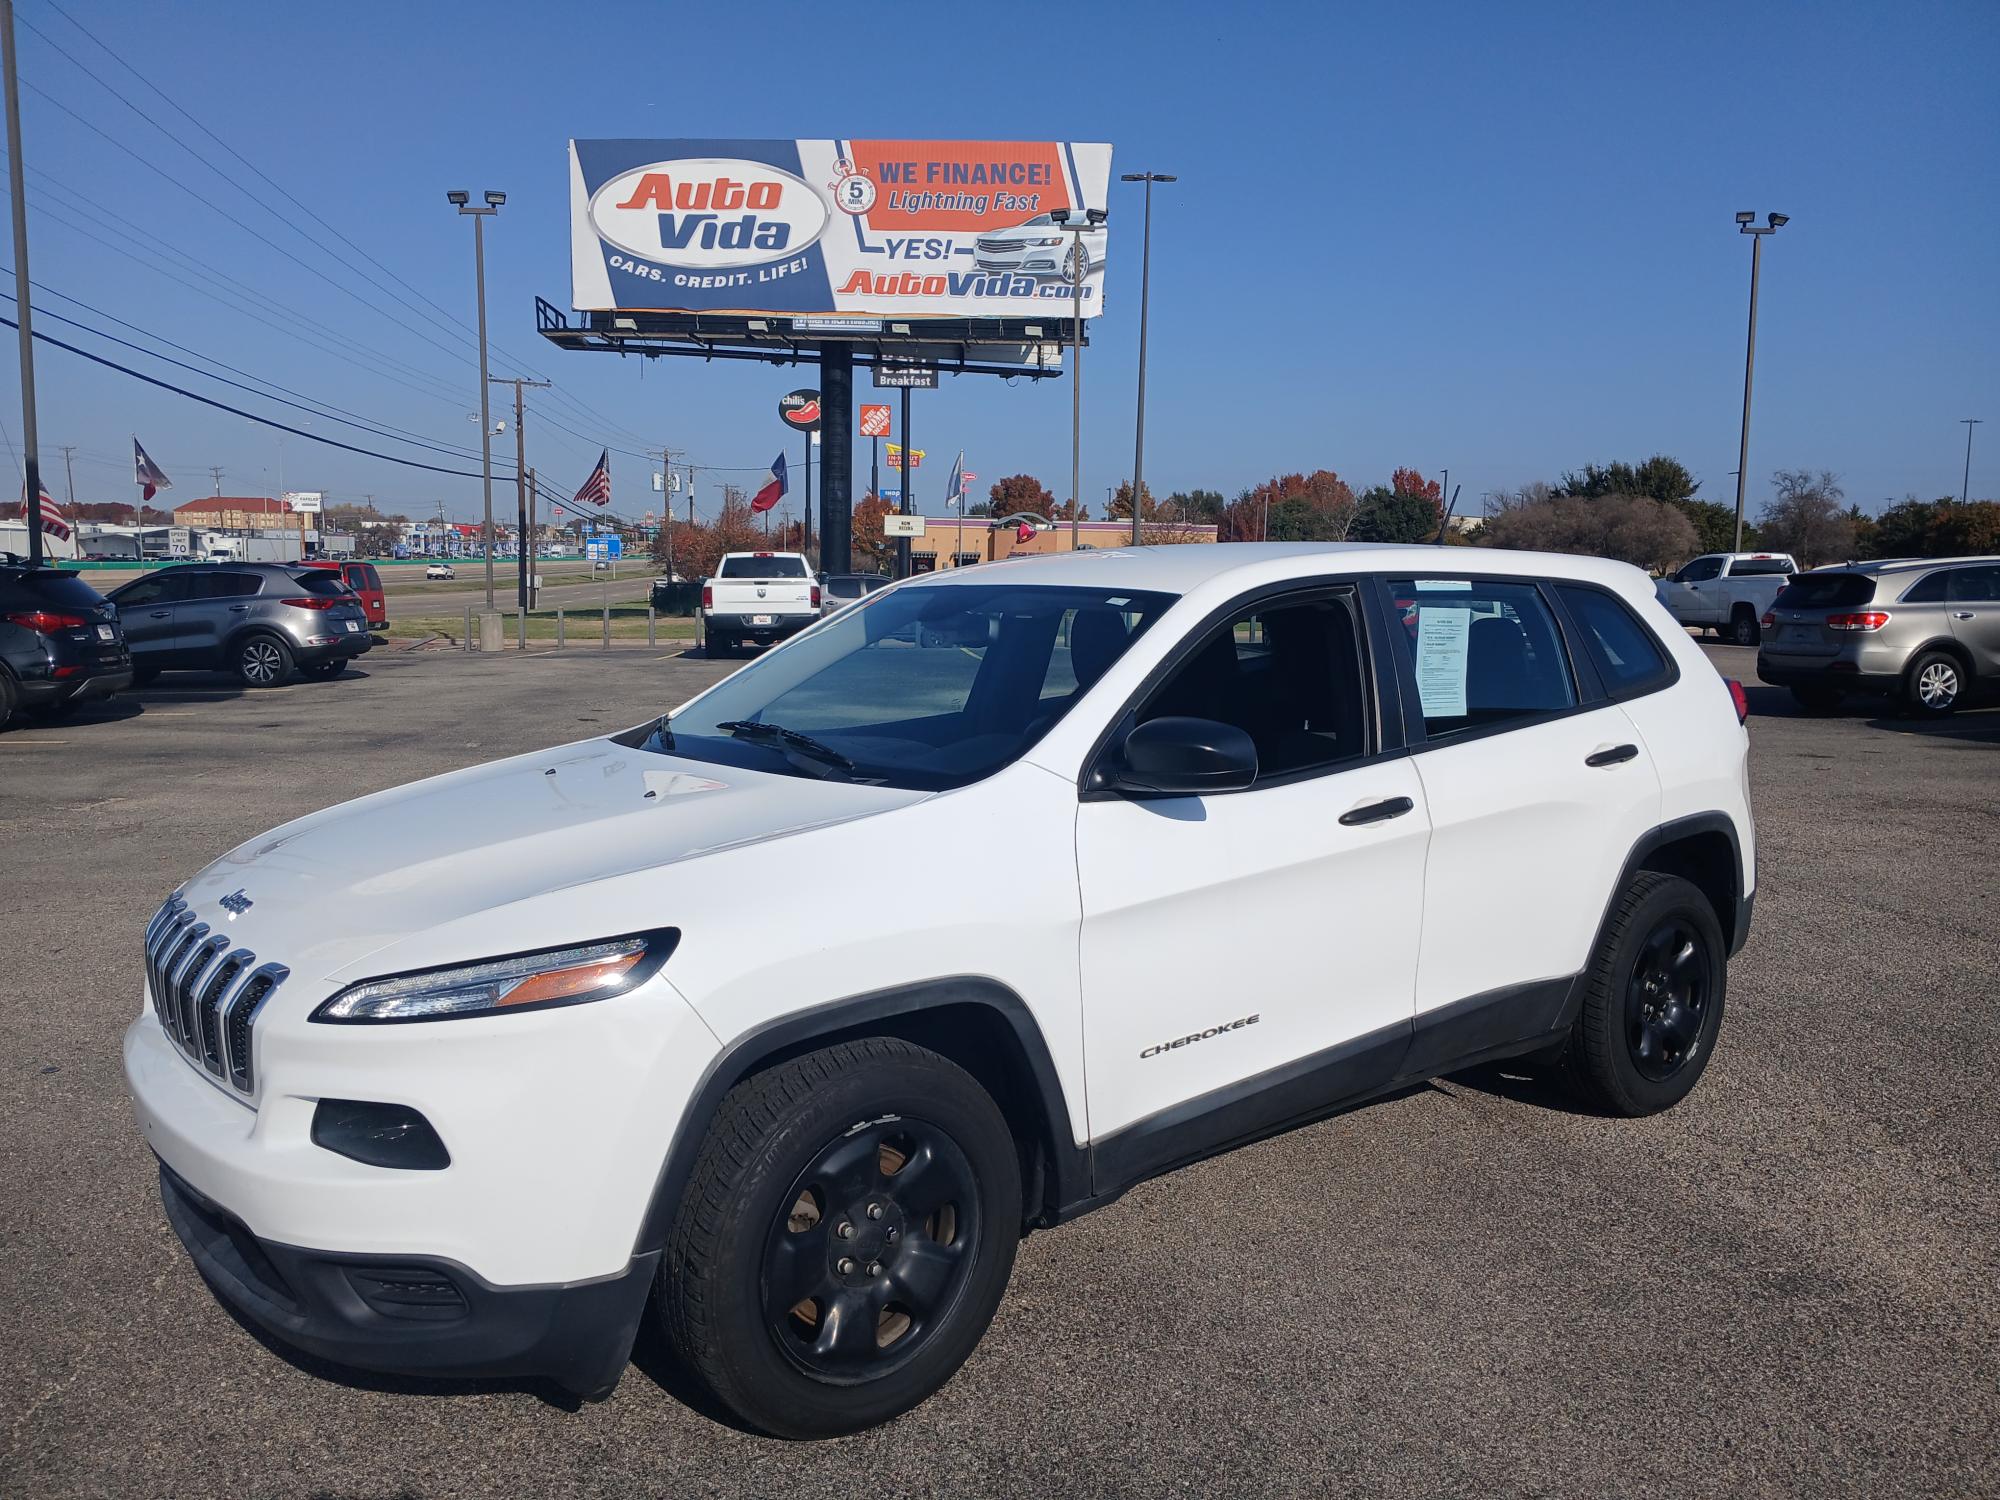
column 236, row 903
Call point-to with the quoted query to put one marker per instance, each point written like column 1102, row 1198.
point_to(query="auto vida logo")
column 708, row 212
column 236, row 903
column 1200, row 1036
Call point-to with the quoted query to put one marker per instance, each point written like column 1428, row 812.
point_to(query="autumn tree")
column 1629, row 528
column 1017, row 493
column 1658, row 478
column 1315, row 507
column 871, row 550
column 1121, row 504
column 1410, row 482
column 1806, row 517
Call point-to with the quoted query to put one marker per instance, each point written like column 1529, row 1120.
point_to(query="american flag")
column 597, row 489
column 54, row 522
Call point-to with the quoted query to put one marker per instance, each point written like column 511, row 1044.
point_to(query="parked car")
column 1727, row 591
column 1262, row 854
column 438, row 570
column 758, row 597
column 258, row 620
column 838, row 590
column 1926, row 632
column 61, row 643
column 366, row 583
column 1038, row 247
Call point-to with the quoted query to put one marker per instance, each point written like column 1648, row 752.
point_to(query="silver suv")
column 258, row 620
column 1925, row 631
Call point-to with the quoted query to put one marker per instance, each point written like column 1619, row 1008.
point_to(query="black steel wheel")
column 1666, row 999
column 871, row 1255
column 1652, row 1000
column 844, row 1239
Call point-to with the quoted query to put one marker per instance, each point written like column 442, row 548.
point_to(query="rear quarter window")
column 1826, row 591
column 1629, row 660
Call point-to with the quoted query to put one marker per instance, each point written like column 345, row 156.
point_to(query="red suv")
column 365, row 581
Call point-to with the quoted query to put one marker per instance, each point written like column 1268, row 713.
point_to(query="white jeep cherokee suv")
column 1142, row 855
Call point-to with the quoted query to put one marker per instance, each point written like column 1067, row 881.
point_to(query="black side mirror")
column 1175, row 757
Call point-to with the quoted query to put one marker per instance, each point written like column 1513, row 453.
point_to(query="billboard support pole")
column 836, row 480
column 903, row 498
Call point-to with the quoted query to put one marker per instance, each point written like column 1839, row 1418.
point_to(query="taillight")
column 313, row 603
column 47, row 621
column 815, row 594
column 1867, row 619
column 707, row 597
column 1740, row 698
column 1770, row 621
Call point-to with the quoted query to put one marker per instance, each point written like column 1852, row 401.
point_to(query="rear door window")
column 1485, row 653
column 1628, row 659
column 1826, row 591
column 1974, row 585
column 161, row 588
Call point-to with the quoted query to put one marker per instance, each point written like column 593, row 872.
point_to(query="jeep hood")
column 331, row 888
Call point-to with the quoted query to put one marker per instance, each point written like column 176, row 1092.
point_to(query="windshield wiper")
column 805, row 744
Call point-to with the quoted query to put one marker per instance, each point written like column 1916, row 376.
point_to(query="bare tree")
column 1807, row 519
column 1629, row 528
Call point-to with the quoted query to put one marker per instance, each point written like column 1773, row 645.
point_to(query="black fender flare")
column 801, row 1030
column 1673, row 831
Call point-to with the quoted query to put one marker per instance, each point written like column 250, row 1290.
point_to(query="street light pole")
column 1145, row 292
column 1965, row 489
column 1746, row 224
column 462, row 201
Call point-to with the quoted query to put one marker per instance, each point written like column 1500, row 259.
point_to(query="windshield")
column 923, row 688
column 763, row 567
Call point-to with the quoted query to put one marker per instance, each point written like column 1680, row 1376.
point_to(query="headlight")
column 524, row 981
column 1054, row 239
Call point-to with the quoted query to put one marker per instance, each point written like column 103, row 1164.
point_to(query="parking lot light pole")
column 1965, row 488
column 462, row 201
column 1746, row 223
column 1145, row 291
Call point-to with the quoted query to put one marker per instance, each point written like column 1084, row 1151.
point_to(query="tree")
column 1658, row 478
column 1806, row 518
column 1410, row 482
column 872, row 551
column 1196, row 507
column 1628, row 528
column 1067, row 511
column 1315, row 507
column 1121, row 504
column 1715, row 525
column 1017, row 493
column 1934, row 528
column 1391, row 515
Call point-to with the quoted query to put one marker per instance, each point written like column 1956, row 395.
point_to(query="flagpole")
column 31, row 512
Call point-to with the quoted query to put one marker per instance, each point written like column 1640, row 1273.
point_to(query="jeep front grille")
column 205, row 993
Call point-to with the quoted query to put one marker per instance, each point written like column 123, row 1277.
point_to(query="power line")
column 308, row 434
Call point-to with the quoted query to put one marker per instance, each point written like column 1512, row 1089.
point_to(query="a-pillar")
column 836, row 457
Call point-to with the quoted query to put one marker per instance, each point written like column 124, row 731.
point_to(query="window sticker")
column 1441, row 585
column 1443, row 636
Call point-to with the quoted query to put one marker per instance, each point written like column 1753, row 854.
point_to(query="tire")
column 325, row 671
column 1934, row 684
column 261, row 661
column 143, row 676
column 1743, row 627
column 1815, row 698
column 780, row 1203
column 10, row 701
column 1652, row 1002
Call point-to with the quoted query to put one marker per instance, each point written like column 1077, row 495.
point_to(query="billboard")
column 820, row 229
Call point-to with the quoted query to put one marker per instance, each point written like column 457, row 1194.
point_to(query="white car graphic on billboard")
column 1040, row 247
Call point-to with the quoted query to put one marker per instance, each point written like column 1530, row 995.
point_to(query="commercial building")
column 234, row 513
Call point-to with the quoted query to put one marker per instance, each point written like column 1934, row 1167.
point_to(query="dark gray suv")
column 260, row 621
column 1925, row 631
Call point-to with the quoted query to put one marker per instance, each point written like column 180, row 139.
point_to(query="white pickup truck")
column 1727, row 591
column 757, row 596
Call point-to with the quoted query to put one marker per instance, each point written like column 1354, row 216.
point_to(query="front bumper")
column 410, row 1314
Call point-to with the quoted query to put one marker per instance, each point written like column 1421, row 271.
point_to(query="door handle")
column 1616, row 755
column 159, row 614
column 1963, row 614
column 1376, row 812
column 239, row 609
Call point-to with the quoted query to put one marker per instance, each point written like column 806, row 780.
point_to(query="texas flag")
column 147, row 474
column 774, row 486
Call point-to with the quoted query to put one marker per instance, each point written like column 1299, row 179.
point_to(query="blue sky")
column 1491, row 238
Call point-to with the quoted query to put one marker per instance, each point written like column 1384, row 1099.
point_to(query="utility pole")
column 1745, row 224
column 69, row 471
column 1965, row 489
column 520, row 492
column 1145, row 289
column 528, row 541
column 667, row 509
column 18, row 201
column 215, row 473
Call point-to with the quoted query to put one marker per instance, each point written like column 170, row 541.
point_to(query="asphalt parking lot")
column 1788, row 1286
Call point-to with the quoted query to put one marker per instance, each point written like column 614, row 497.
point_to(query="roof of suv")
column 1903, row 564
column 1180, row 569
